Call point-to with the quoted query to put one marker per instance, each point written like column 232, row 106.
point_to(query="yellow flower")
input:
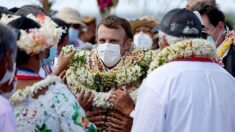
column 224, row 48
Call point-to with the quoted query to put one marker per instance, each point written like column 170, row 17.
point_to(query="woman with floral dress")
column 43, row 105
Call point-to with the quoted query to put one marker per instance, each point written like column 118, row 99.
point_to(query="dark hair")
column 4, row 10
column 23, row 23
column 14, row 9
column 29, row 9
column 64, row 26
column 115, row 22
column 211, row 2
column 7, row 40
column 213, row 13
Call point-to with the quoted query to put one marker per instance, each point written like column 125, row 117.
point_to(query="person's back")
column 186, row 91
column 194, row 97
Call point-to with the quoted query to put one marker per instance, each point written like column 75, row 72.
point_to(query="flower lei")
column 87, row 72
column 224, row 47
column 184, row 49
column 37, row 40
column 21, row 94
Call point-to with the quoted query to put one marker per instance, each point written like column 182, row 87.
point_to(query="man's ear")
column 221, row 25
column 128, row 44
column 163, row 42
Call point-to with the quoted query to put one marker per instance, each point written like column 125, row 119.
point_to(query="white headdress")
column 36, row 40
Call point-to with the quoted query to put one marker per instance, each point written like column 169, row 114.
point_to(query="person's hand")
column 118, row 122
column 122, row 101
column 97, row 117
column 63, row 62
column 85, row 99
column 62, row 75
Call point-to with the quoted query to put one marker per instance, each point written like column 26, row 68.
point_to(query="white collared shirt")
column 186, row 97
column 7, row 119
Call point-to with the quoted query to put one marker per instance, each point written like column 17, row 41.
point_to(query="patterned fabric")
column 55, row 111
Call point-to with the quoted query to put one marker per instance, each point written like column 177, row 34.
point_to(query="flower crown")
column 36, row 40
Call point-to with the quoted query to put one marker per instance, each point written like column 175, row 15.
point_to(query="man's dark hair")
column 116, row 22
column 30, row 9
column 23, row 23
column 213, row 13
column 64, row 26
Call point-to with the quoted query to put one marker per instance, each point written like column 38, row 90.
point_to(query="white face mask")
column 8, row 77
column 73, row 34
column 210, row 38
column 109, row 53
column 142, row 41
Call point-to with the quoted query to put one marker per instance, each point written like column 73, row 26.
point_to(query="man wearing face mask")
column 115, row 67
column 7, row 78
column 142, row 28
column 73, row 18
column 218, row 33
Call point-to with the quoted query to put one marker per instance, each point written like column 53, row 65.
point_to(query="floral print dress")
column 55, row 111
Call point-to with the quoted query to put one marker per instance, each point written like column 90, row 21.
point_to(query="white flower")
column 5, row 19
column 21, row 95
column 184, row 49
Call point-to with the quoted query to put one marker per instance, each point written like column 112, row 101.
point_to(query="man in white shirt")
column 187, row 94
column 7, row 78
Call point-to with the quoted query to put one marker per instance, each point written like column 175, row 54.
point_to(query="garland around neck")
column 21, row 94
column 184, row 49
column 87, row 71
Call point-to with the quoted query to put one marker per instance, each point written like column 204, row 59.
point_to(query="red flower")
column 103, row 4
column 41, row 18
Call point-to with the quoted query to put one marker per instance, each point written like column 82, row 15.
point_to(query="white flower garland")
column 51, row 30
column 86, row 72
column 184, row 49
column 37, row 40
column 21, row 94
column 126, row 72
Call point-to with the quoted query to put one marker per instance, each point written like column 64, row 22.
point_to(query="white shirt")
column 7, row 120
column 186, row 97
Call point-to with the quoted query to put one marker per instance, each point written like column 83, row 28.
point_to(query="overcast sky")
column 126, row 8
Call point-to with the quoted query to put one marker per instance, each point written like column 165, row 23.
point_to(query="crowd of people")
column 65, row 72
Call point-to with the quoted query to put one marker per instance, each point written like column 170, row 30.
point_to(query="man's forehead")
column 104, row 31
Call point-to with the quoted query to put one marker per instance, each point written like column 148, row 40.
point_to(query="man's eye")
column 101, row 41
column 114, row 41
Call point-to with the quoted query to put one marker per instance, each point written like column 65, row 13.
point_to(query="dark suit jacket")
column 229, row 61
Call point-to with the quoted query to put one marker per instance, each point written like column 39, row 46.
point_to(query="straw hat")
column 70, row 16
column 144, row 21
column 87, row 19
